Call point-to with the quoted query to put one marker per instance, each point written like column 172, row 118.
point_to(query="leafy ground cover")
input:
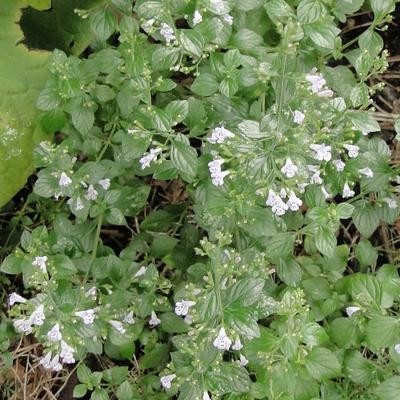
column 215, row 210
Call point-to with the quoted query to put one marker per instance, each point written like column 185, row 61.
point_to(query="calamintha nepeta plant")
column 277, row 150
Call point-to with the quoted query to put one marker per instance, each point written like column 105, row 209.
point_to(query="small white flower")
column 322, row 152
column 351, row 310
column 302, row 186
column 40, row 261
column 182, row 307
column 141, row 271
column 339, row 165
column 86, row 315
column 118, row 326
column 23, row 325
column 392, row 203
column 219, row 134
column 91, row 292
column 272, row 199
column 243, row 360
column 215, row 166
column 316, row 178
column 289, row 169
column 105, row 183
column 55, row 364
column 79, row 205
column 367, row 172
column 397, row 348
column 67, row 353
column 298, row 117
column 15, row 298
column 129, row 318
column 218, row 178
column 352, row 150
column 237, row 345
column 282, row 193
column 206, row 396
column 294, row 203
column 45, row 362
column 166, row 381
column 148, row 158
column 325, row 193
column 65, row 180
column 91, row 193
column 197, row 18
column 188, row 319
column 154, row 320
column 228, row 19
column 347, row 192
column 167, row 32
column 222, row 342
column 54, row 334
column 325, row 93
column 280, row 208
column 218, row 5
column 38, row 317
column 317, row 82
column 147, row 26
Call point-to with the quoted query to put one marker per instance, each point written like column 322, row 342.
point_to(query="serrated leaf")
column 321, row 363
column 184, row 159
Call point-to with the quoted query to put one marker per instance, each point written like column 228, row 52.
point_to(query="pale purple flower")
column 339, row 165
column 289, row 169
column 351, row 310
column 117, row 325
column 86, row 315
column 228, row 19
column 317, row 82
column 105, row 183
column 67, row 353
column 243, row 360
column 38, row 317
column 322, row 152
column 299, row 117
column 222, row 341
column 15, row 298
column 40, row 261
column 197, row 18
column 148, row 158
column 367, row 172
column 352, row 150
column 23, row 325
column 154, row 320
column 167, row 32
column 128, row 319
column 206, row 396
column 392, row 203
column 167, row 380
column 219, row 134
column 91, row 193
column 54, row 334
column 65, row 180
column 182, row 307
column 397, row 348
column 140, row 272
column 294, row 203
column 237, row 345
column 347, row 192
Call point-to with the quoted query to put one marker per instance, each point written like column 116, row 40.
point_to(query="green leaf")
column 83, row 119
column 246, row 39
column 366, row 218
column 343, row 332
column 325, row 240
column 192, row 42
column 382, row 332
column 279, row 245
column 124, row 391
column 323, row 34
column 389, row 389
column 241, row 320
column 22, row 76
column 309, row 11
column 79, row 391
column 184, row 158
column 154, row 358
column 229, row 378
column 205, row 85
column 103, row 23
column 84, row 374
column 172, row 323
column 366, row 253
column 245, row 291
column 381, row 8
column 99, row 394
column 321, row 363
column 40, row 4
column 358, row 369
column 11, row 265
column 163, row 245
column 314, row 334
column 365, row 289
column 344, row 210
column 363, row 121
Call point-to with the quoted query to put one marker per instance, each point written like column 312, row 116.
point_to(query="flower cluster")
column 217, row 175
